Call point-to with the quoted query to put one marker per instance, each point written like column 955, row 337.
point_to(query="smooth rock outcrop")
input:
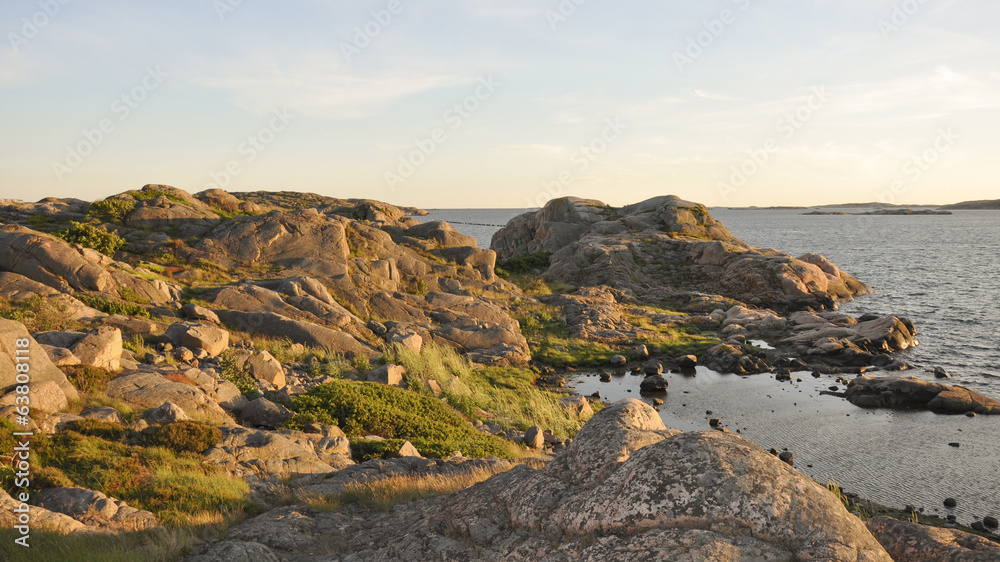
column 49, row 261
column 95, row 509
column 666, row 242
column 911, row 392
column 919, row 543
column 252, row 452
column 150, row 390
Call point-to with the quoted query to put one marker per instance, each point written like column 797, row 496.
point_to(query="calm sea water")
column 943, row 272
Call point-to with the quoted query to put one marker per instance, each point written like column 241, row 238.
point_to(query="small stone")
column 714, row 422
column 787, row 457
column 641, row 352
column 657, row 401
column 834, row 388
column 618, row 360
column 605, row 377
column 653, row 383
column 978, row 525
column 953, row 445
column 687, row 361
column 653, row 368
column 534, row 437
column 950, row 502
column 991, row 522
column 941, row 373
column 970, row 414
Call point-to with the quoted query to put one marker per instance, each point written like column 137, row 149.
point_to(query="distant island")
column 983, row 205
column 885, row 212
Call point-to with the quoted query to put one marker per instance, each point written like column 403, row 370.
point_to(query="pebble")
column 950, row 502
column 953, row 444
column 991, row 522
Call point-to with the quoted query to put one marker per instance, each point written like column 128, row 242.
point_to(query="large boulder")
column 50, row 261
column 263, row 413
column 195, row 335
column 101, row 348
column 42, row 369
column 626, row 489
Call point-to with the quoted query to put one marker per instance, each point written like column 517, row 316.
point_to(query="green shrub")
column 368, row 449
column 111, row 210
column 98, row 428
column 524, row 264
column 131, row 296
column 361, row 408
column 145, row 194
column 240, row 377
column 186, row 436
column 114, row 307
column 90, row 236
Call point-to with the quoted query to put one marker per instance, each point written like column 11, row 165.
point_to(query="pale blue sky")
column 335, row 115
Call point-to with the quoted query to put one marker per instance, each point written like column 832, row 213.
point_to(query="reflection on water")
column 892, row 457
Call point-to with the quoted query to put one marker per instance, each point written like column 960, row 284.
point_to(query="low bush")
column 91, row 380
column 361, row 408
column 186, row 436
column 114, row 307
column 91, row 236
column 527, row 263
column 368, row 449
column 111, row 210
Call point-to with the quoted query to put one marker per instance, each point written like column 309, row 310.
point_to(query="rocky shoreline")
column 241, row 332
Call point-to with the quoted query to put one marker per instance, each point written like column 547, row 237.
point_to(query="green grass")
column 551, row 343
column 153, row 194
column 38, row 314
column 506, row 397
column 177, row 487
column 363, row 408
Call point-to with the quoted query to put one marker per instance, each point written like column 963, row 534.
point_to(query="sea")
column 942, row 272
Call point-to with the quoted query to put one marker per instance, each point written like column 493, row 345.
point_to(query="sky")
column 505, row 103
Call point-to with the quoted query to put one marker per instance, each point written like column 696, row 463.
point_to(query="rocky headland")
column 375, row 387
